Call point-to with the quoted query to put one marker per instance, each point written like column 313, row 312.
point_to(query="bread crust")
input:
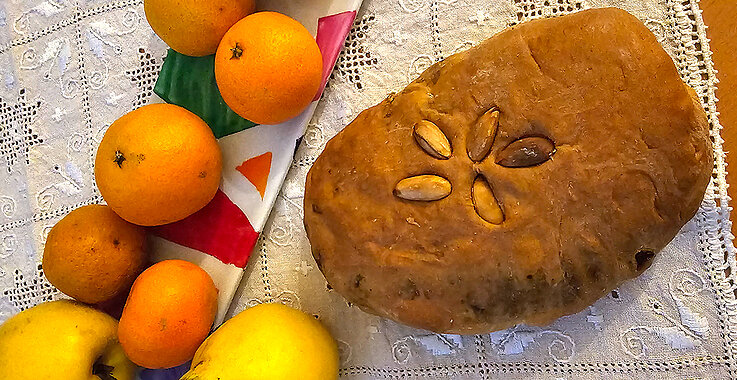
column 632, row 158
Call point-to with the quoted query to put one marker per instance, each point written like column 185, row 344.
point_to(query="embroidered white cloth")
column 68, row 68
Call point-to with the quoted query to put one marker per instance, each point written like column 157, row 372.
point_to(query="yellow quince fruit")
column 62, row 340
column 267, row 342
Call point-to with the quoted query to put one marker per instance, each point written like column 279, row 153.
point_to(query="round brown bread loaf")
column 516, row 182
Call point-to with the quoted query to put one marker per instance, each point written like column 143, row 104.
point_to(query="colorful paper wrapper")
column 256, row 158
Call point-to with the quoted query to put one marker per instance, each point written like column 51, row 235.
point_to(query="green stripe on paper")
column 189, row 82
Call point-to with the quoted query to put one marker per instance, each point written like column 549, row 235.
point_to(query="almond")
column 485, row 203
column 432, row 140
column 425, row 187
column 482, row 134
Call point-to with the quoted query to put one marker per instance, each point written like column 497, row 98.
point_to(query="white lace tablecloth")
column 69, row 68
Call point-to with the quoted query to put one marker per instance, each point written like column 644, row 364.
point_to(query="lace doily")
column 68, row 68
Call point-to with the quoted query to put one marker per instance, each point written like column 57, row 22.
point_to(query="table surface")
column 720, row 16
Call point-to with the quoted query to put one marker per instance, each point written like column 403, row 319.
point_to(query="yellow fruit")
column 62, row 340
column 267, row 342
column 93, row 255
column 195, row 27
column 158, row 164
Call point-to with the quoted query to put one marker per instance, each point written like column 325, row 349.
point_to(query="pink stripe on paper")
column 331, row 34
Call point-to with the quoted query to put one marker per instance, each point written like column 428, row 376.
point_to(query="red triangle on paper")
column 256, row 170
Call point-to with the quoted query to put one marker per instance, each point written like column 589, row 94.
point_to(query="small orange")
column 158, row 164
column 268, row 68
column 93, row 255
column 195, row 27
column 168, row 314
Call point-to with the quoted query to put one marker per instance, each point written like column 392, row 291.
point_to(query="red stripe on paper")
column 220, row 229
column 331, row 34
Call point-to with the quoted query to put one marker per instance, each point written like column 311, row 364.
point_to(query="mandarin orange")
column 158, row 164
column 168, row 314
column 268, row 68
column 93, row 255
column 195, row 27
